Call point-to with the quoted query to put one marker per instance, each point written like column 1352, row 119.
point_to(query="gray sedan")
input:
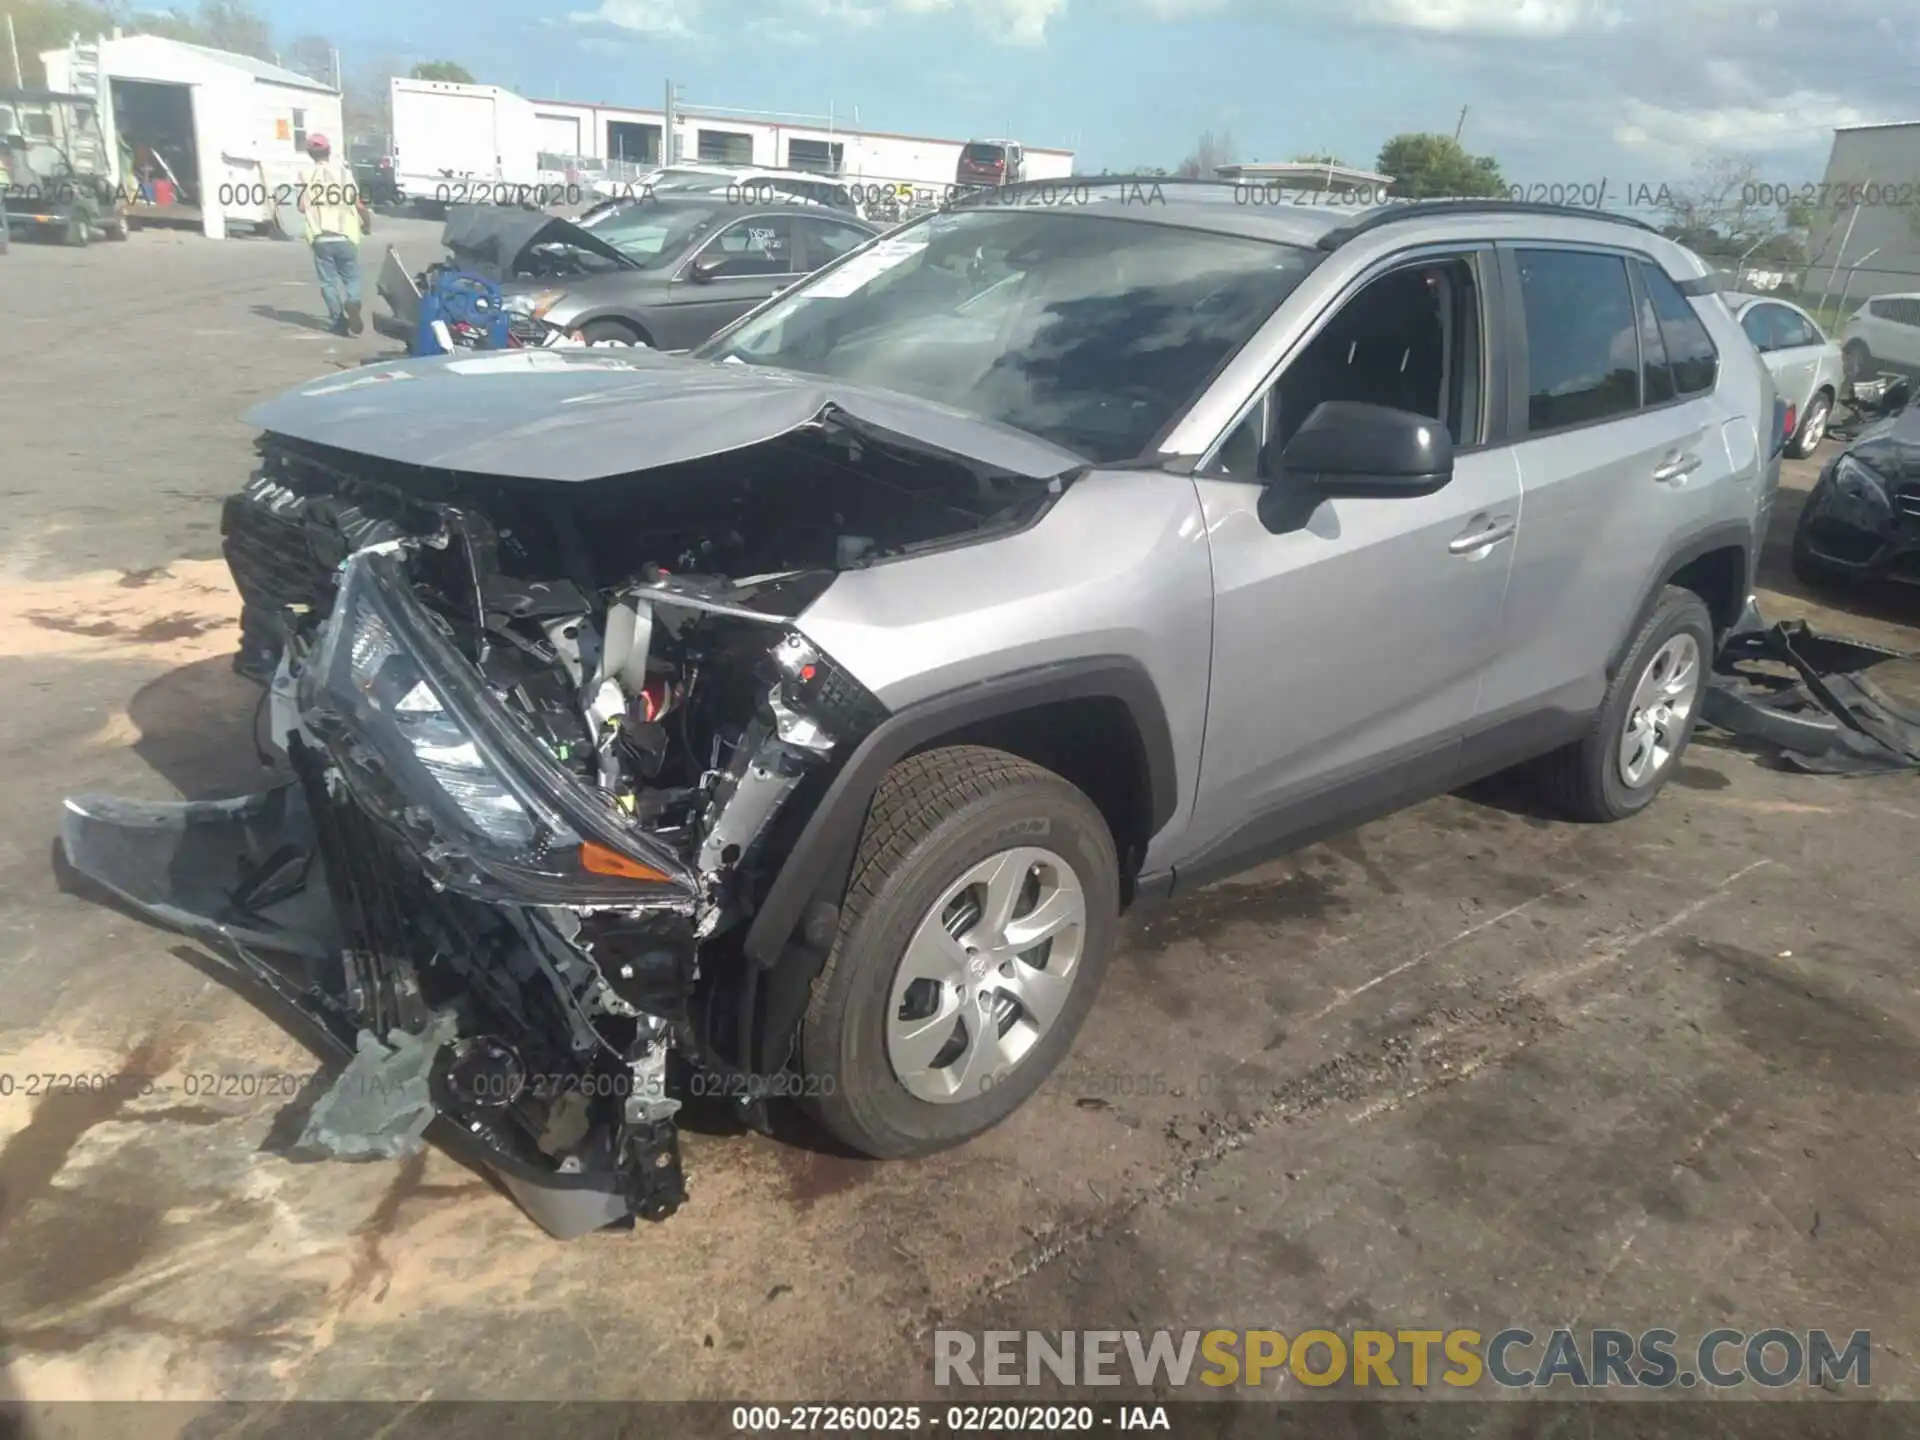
column 1807, row 368
column 664, row 272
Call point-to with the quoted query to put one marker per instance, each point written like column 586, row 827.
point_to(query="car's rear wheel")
column 977, row 927
column 1813, row 427
column 1642, row 728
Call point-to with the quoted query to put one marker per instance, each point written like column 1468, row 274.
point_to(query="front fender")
column 821, row 860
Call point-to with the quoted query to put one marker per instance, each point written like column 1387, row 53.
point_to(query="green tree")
column 41, row 25
column 1210, row 152
column 1427, row 166
column 310, row 55
column 233, row 25
column 1320, row 157
column 49, row 25
column 448, row 70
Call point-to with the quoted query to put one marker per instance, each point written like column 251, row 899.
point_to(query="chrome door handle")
column 1473, row 540
column 1677, row 468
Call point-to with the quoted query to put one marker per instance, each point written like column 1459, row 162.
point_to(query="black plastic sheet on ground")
column 1802, row 696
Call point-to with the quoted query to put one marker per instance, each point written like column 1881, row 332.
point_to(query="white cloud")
column 1670, row 138
column 1524, row 18
column 661, row 19
column 1009, row 22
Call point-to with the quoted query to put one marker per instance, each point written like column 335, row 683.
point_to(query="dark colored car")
column 1862, row 519
column 990, row 162
column 373, row 173
column 666, row 272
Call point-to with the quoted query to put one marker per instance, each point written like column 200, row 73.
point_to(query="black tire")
column 1583, row 780
column 1804, row 441
column 1810, row 568
column 618, row 332
column 935, row 815
column 1857, row 361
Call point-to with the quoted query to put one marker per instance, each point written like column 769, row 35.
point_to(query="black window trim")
column 1637, row 283
column 1518, row 383
column 1705, row 329
column 1495, row 379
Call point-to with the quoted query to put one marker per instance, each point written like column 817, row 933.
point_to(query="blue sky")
column 1557, row 90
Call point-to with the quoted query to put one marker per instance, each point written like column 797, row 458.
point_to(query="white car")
column 744, row 186
column 1808, row 372
column 1884, row 334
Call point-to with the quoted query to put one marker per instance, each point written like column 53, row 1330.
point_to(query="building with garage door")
column 218, row 139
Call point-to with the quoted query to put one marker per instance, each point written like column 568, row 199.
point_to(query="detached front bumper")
column 417, row 894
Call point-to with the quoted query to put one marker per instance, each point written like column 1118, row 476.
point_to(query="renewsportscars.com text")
column 1510, row 1359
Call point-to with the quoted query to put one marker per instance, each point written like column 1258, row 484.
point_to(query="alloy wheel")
column 1657, row 716
column 986, row 974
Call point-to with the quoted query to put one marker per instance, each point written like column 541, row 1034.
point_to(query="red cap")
column 318, row 142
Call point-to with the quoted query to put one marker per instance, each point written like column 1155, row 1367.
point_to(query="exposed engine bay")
column 548, row 746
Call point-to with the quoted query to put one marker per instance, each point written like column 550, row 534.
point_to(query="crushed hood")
column 493, row 240
column 590, row 413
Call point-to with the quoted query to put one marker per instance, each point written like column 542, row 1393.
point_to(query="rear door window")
column 1792, row 330
column 1696, row 365
column 760, row 245
column 1758, row 323
column 1583, row 354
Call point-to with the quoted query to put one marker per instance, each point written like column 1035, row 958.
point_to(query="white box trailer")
column 454, row 144
column 226, row 132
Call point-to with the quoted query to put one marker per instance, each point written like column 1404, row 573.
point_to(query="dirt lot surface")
column 1469, row 1066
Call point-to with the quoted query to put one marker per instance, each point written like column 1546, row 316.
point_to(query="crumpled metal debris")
column 1801, row 695
column 380, row 1107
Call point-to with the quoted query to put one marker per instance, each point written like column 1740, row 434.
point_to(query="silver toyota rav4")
column 794, row 719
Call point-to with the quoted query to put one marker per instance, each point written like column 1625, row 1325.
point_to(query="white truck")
column 463, row 144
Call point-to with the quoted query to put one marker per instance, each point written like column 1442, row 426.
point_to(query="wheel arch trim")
column 1728, row 535
column 823, row 853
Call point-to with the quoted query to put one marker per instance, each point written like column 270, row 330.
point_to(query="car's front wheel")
column 1642, row 728
column 976, row 929
column 610, row 332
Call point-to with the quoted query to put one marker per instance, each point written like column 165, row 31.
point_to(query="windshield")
column 50, row 138
column 1091, row 332
column 689, row 179
column 984, row 155
column 653, row 236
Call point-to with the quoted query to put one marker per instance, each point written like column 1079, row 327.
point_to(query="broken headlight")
column 1859, row 481
column 425, row 749
column 536, row 304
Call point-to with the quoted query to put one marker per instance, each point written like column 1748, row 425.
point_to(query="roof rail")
column 1393, row 212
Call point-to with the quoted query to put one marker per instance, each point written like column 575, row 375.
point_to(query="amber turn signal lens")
column 601, row 861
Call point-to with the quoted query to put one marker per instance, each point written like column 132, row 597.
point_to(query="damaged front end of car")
column 545, row 753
